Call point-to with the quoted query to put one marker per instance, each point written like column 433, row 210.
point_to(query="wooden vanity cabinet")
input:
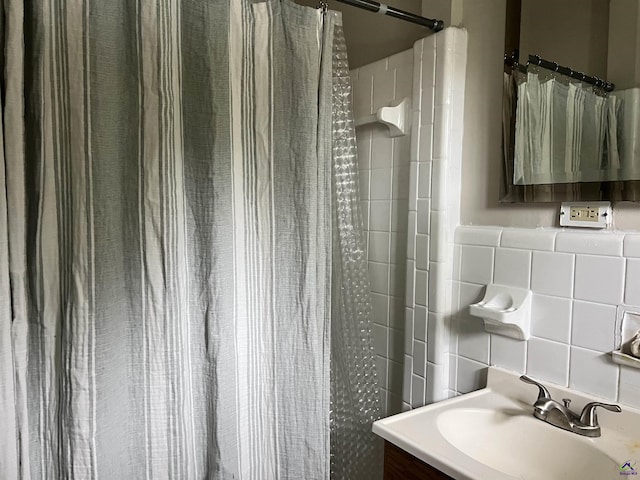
column 400, row 465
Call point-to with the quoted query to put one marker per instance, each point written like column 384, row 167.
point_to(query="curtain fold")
column 165, row 250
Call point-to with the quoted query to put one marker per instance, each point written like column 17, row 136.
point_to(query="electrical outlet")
column 585, row 214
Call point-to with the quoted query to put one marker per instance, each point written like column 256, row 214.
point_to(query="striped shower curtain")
column 165, row 240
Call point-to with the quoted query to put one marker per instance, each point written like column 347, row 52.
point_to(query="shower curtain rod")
column 598, row 82
column 370, row 5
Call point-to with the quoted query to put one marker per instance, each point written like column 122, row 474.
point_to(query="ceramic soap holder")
column 505, row 311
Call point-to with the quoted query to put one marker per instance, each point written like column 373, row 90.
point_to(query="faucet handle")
column 590, row 418
column 542, row 393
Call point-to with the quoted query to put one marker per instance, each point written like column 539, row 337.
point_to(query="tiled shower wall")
column 577, row 278
column 410, row 190
column 384, row 185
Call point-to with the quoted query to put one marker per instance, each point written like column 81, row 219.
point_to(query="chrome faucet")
column 548, row 410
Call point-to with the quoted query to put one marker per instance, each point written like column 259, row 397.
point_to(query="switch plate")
column 586, row 214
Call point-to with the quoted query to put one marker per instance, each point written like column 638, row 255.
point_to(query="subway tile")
column 397, row 276
column 552, row 273
column 469, row 293
column 421, row 287
column 509, row 353
column 417, row 74
column 439, row 288
column 477, row 264
column 420, row 323
column 365, row 209
column 632, row 289
column 424, row 180
column 427, row 106
column 381, row 147
column 444, row 76
column 423, row 216
column 425, row 148
column 404, row 83
column 512, row 267
column 396, row 344
column 473, row 340
column 380, row 340
column 381, row 368
column 439, row 184
column 457, row 260
column 441, row 131
column 437, row 375
column 481, row 236
column 412, row 200
column 396, row 312
column 472, row 375
column 551, row 318
column 437, row 341
column 409, row 324
column 380, row 215
column 629, row 386
column 548, row 361
column 398, row 248
column 422, row 252
column 400, row 183
column 417, row 391
column 602, row 243
column 409, row 286
column 380, row 184
column 439, row 241
column 411, row 236
column 419, row 358
column 363, row 95
column 364, row 177
column 383, row 88
column 593, row 372
column 380, row 306
column 632, row 245
column 379, row 277
column 599, row 279
column 593, row 326
column 363, row 147
column 405, row 383
column 399, row 215
column 379, row 247
column 402, row 153
column 453, row 372
column 528, row 238
column 428, row 66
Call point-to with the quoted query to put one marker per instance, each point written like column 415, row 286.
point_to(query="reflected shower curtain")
column 165, row 242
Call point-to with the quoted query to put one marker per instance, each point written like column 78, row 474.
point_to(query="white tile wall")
column 410, row 192
column 384, row 185
column 577, row 278
column 434, row 206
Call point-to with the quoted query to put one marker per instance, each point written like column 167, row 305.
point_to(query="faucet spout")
column 550, row 411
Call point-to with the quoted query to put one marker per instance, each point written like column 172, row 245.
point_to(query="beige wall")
column 624, row 43
column 575, row 35
column 370, row 36
column 481, row 170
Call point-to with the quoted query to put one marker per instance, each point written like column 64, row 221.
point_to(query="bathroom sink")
column 512, row 441
column 492, row 434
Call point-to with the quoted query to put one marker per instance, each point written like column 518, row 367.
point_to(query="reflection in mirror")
column 566, row 134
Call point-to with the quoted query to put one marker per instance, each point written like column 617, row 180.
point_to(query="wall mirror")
column 571, row 103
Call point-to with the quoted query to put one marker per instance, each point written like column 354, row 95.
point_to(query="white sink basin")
column 492, row 434
column 520, row 445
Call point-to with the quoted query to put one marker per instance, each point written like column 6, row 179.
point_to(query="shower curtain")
column 166, row 254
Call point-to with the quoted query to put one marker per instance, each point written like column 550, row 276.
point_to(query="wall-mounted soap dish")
column 627, row 337
column 505, row 311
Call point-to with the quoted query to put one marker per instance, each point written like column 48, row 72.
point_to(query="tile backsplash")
column 577, row 278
